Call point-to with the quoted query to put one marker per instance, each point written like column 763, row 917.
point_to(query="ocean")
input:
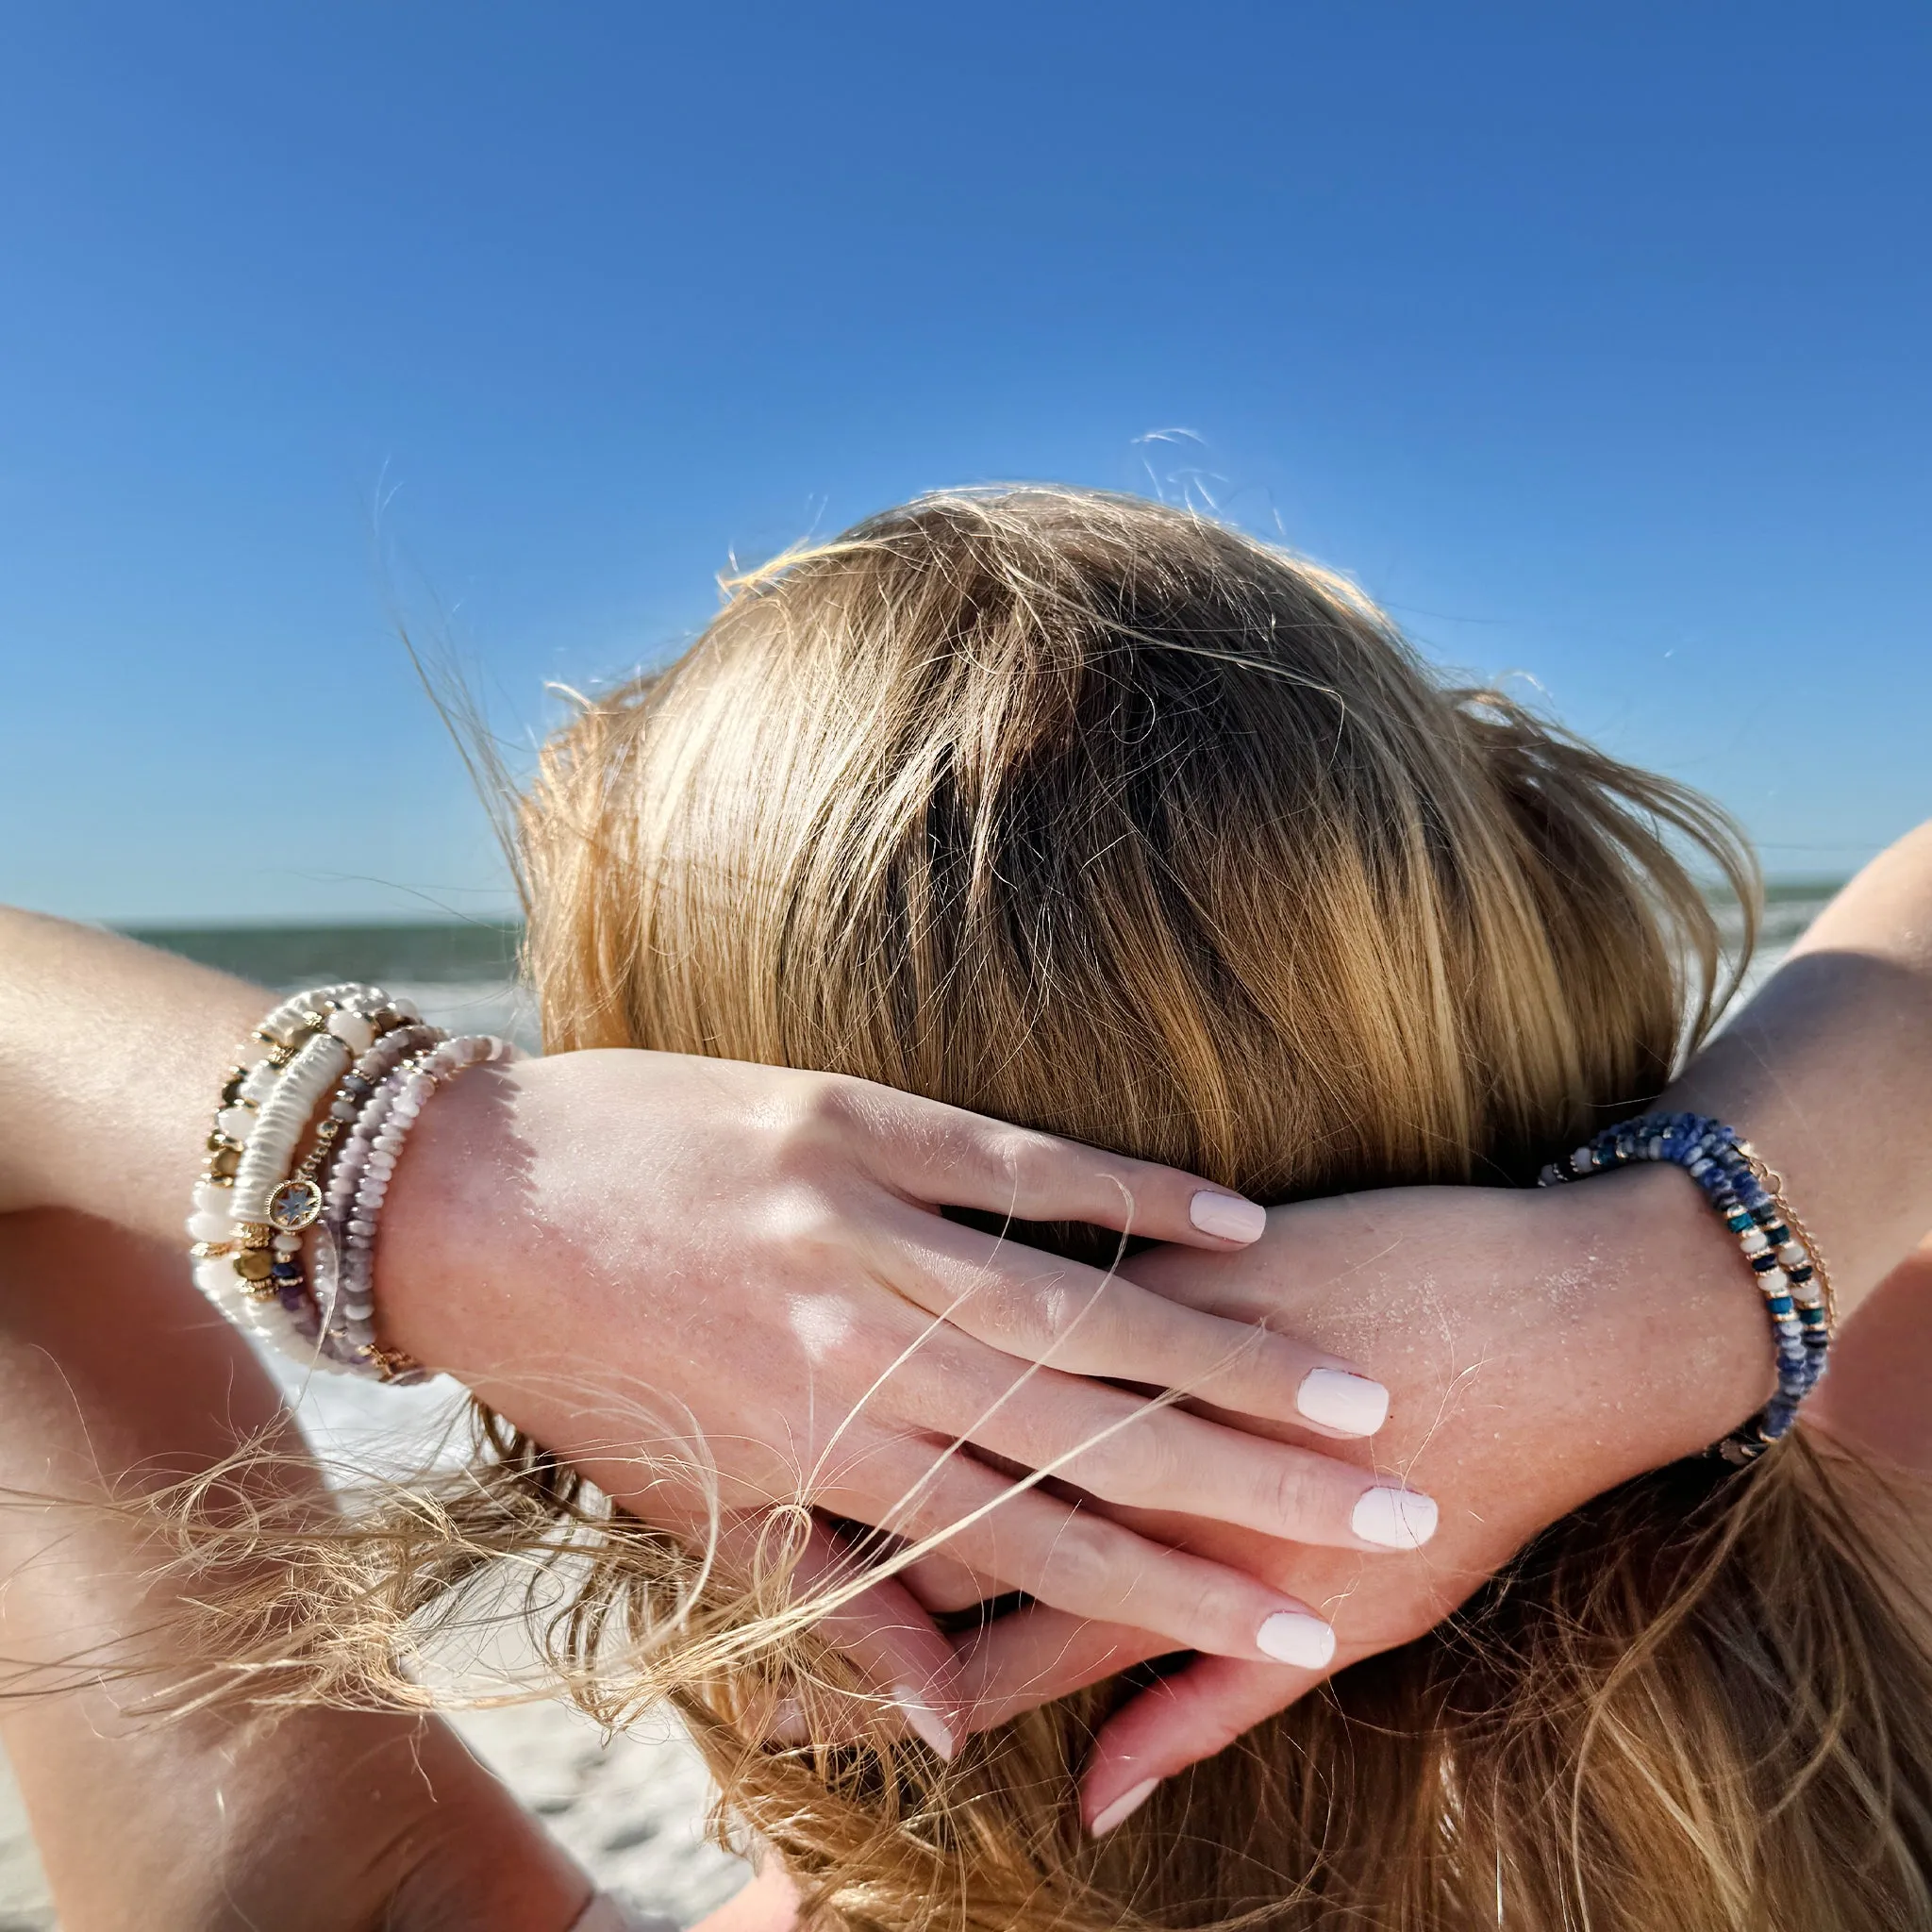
column 463, row 973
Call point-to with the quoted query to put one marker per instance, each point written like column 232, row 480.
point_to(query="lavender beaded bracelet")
column 343, row 1263
column 304, row 1198
column 1750, row 1200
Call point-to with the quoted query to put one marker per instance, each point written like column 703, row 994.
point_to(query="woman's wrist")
column 478, row 1269
column 453, row 1260
column 1677, row 1309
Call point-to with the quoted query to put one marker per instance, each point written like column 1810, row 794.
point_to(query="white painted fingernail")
column 787, row 1723
column 1293, row 1637
column 1338, row 1400
column 1121, row 1808
column 1228, row 1215
column 1395, row 1519
column 925, row 1720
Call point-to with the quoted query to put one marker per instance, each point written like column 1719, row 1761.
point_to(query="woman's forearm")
column 1829, row 1069
column 110, row 1057
column 572, row 1238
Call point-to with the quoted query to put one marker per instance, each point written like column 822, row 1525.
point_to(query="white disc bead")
column 353, row 1029
column 217, row 1279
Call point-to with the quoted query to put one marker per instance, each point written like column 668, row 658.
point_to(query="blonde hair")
column 1088, row 814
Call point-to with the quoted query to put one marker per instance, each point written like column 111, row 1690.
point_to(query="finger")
column 1018, row 1663
column 1179, row 1721
column 938, row 1581
column 892, row 1642
column 1075, row 1560
column 941, row 1583
column 878, row 1626
column 1126, row 1449
column 1041, row 1307
column 943, row 1154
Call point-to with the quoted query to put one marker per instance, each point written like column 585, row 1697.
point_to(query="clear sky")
column 1594, row 341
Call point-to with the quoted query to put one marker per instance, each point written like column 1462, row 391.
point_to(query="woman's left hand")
column 1539, row 1347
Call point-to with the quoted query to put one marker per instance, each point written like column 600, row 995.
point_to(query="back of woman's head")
column 1087, row 813
column 1083, row 812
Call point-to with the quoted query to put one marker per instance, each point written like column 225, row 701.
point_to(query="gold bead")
column 252, row 1264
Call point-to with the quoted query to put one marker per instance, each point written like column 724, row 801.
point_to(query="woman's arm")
column 115, row 1377
column 111, row 1055
column 1829, row 1069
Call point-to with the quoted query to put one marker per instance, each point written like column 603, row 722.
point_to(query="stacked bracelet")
column 373, row 1062
column 1790, row 1272
column 245, row 1220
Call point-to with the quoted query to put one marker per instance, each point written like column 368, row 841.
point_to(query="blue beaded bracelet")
column 1749, row 1199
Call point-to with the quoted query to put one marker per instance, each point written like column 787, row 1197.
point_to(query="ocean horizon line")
column 456, row 950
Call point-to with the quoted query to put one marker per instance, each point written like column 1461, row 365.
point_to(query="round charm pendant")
column 294, row 1205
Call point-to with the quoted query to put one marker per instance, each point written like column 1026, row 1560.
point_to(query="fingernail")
column 1228, row 1215
column 1338, row 1400
column 786, row 1725
column 925, row 1720
column 1293, row 1637
column 1393, row 1518
column 1121, row 1808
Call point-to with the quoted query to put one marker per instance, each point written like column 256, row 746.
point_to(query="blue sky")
column 1593, row 340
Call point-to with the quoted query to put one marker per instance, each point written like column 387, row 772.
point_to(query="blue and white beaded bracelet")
column 1749, row 1198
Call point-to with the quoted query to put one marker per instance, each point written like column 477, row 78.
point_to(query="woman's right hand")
column 1541, row 1345
column 696, row 1278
